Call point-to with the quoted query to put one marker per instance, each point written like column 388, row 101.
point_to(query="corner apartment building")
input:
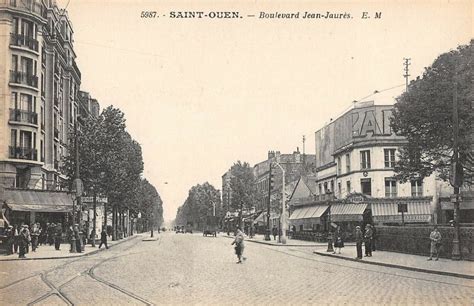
column 295, row 165
column 39, row 93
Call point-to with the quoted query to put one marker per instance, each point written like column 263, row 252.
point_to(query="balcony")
column 20, row 115
column 28, row 6
column 20, row 77
column 23, row 153
column 24, row 41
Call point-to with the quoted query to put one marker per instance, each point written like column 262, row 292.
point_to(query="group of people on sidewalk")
column 367, row 238
column 19, row 238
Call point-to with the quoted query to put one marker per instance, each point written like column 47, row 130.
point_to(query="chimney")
column 271, row 154
column 296, row 155
column 277, row 156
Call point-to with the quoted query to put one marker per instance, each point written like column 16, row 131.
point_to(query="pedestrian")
column 42, row 235
column 103, row 238
column 78, row 238
column 338, row 239
column 274, row 232
column 374, row 237
column 359, row 238
column 435, row 238
column 69, row 236
column 34, row 236
column 16, row 238
column 239, row 245
column 28, row 238
column 10, row 239
column 57, row 231
column 50, row 229
column 368, row 240
column 23, row 241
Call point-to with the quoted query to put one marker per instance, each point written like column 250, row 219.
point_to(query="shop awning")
column 38, row 201
column 309, row 212
column 417, row 211
column 347, row 212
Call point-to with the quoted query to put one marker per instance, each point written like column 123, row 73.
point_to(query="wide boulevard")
column 192, row 269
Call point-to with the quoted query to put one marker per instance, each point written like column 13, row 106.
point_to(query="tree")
column 150, row 204
column 424, row 115
column 242, row 184
column 201, row 200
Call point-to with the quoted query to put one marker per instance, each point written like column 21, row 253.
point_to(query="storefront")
column 389, row 212
column 466, row 207
column 309, row 218
column 31, row 206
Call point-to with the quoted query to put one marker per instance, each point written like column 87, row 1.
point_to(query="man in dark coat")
column 103, row 238
column 10, row 238
column 368, row 240
column 274, row 232
column 359, row 238
column 57, row 236
column 23, row 242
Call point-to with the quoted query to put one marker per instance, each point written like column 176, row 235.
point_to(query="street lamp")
column 283, row 219
column 330, row 238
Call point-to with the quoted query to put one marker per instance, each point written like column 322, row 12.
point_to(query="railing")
column 20, row 115
column 23, row 153
column 23, row 78
column 24, row 41
column 30, row 6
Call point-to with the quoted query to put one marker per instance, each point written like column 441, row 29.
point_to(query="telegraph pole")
column 406, row 69
column 456, row 174
column 267, row 232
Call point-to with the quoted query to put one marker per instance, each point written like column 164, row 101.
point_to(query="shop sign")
column 91, row 200
column 355, row 198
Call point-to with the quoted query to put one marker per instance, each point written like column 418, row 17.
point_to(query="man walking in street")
column 239, row 245
column 435, row 238
column 274, row 232
column 103, row 238
column 57, row 236
column 358, row 239
column 368, row 240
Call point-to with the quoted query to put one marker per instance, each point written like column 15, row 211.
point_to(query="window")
column 326, row 187
column 14, row 101
column 332, row 186
column 14, row 62
column 389, row 157
column 348, row 163
column 339, row 189
column 390, row 188
column 348, row 186
column 365, row 159
column 13, row 138
column 339, row 166
column 366, row 186
column 417, row 188
column 320, row 189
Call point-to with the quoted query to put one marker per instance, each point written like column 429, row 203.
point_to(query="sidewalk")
column 447, row 267
column 49, row 252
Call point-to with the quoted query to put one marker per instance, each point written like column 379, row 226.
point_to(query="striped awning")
column 309, row 212
column 417, row 211
column 347, row 212
column 38, row 201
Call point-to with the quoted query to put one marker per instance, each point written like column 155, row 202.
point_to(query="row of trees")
column 201, row 202
column 111, row 164
column 202, row 199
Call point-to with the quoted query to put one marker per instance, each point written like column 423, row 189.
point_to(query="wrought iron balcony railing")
column 20, row 115
column 20, row 77
column 23, row 153
column 24, row 41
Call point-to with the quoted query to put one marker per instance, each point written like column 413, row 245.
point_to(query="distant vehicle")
column 179, row 229
column 188, row 229
column 210, row 228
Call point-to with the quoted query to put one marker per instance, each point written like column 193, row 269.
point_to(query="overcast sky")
column 200, row 94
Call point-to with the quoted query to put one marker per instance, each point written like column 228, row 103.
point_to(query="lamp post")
column 283, row 206
column 270, row 178
column 330, row 238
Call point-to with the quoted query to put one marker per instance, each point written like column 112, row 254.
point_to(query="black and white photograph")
column 252, row 152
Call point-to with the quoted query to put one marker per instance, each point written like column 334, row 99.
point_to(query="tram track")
column 89, row 272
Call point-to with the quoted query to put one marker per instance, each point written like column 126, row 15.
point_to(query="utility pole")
column 267, row 232
column 456, row 174
column 304, row 155
column 283, row 206
column 406, row 69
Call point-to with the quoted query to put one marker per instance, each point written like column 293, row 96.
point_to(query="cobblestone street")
column 192, row 269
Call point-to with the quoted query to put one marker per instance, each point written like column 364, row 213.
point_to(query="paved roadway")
column 192, row 269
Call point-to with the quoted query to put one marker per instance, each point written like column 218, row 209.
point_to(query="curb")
column 73, row 256
column 279, row 244
column 444, row 273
